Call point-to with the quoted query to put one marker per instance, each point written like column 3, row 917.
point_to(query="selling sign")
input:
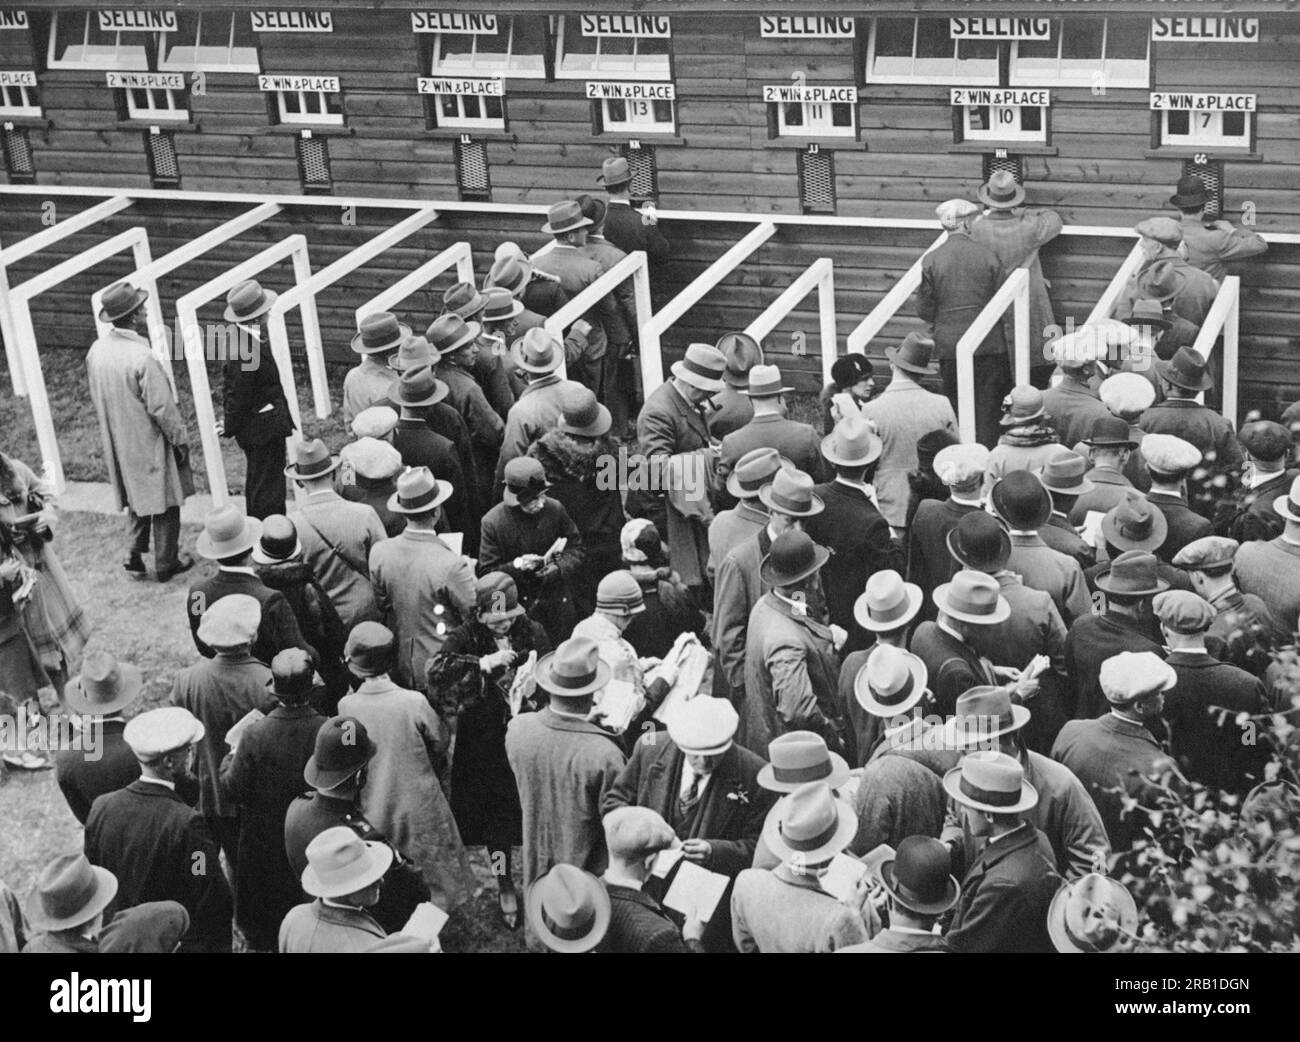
column 128, row 21
column 13, row 19
column 813, row 27
column 324, row 84
column 453, row 22
column 469, row 88
column 1203, row 102
column 292, row 21
column 1000, row 28
column 602, row 91
column 1217, row 30
column 1023, row 97
column 655, row 26
column 146, row 80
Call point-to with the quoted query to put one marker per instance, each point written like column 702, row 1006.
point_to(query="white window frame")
column 594, row 69
column 638, row 123
column 323, row 118
column 1205, row 135
column 974, row 71
column 125, row 58
column 817, row 119
column 19, row 100
column 490, row 64
column 1005, row 130
column 194, row 64
column 467, row 122
column 164, row 104
column 1076, row 72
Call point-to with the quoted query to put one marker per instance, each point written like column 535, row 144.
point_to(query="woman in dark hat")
column 670, row 608
column 470, row 681
column 851, row 374
column 922, row 482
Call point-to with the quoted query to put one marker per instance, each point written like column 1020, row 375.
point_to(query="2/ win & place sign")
column 792, row 92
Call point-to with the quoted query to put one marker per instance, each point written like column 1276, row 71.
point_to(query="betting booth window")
column 464, row 104
column 922, row 50
column 152, row 96
column 498, row 45
column 1204, row 120
column 1085, row 52
column 305, row 100
column 88, row 40
column 1009, row 116
column 18, row 94
column 209, row 42
column 634, row 108
column 613, row 46
column 806, row 110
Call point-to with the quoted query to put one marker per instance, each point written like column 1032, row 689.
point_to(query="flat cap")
column 1163, row 229
column 1127, row 394
column 231, row 621
column 160, row 731
column 372, row 459
column 1211, row 551
column 1130, row 675
column 1183, row 611
column 703, row 726
column 1167, row 454
column 636, row 832
column 375, row 422
column 959, row 464
column 950, row 211
column 1265, row 440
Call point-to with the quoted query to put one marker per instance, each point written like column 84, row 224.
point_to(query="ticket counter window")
column 209, row 42
column 612, row 57
column 1085, row 52
column 922, row 50
column 638, row 116
column 156, row 103
column 1010, row 123
column 1189, row 129
column 517, row 50
column 814, row 119
column 469, row 112
column 310, row 107
column 77, row 42
column 19, row 100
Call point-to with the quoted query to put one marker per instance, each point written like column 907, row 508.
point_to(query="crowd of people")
column 866, row 688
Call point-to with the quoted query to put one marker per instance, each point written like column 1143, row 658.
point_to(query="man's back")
column 336, row 537
column 320, row 928
column 902, row 413
column 1271, row 571
column 1188, row 419
column 1202, row 712
column 1005, row 896
column 1091, row 640
column 84, row 780
column 278, row 629
column 779, row 912
column 637, row 924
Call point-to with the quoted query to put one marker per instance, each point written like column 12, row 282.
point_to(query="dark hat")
column 510, row 273
column 592, row 208
column 919, row 876
column 1190, row 192
column 379, row 333
column 450, row 332
column 582, row 416
column 152, row 928
column 1186, row 370
column 913, row 355
column 573, row 670
column 1160, row 281
column 418, row 386
column 278, row 541
column 1132, row 574
column 981, row 714
column 462, row 300
column 742, row 352
column 1147, row 313
column 119, row 300
column 343, row 747
column 1134, row 524
column 70, row 892
column 850, row 369
column 369, row 649
column 525, row 480
column 104, row 686
column 497, row 596
column 1021, row 500
column 931, row 443
column 1183, row 611
column 564, row 216
column 248, row 300
column 755, row 469
column 292, row 672
column 1066, row 473
column 311, row 459
column 1001, row 192
column 793, row 557
column 980, row 543
column 413, row 352
column 500, row 305
column 1265, row 440
column 614, row 171
column 1110, row 431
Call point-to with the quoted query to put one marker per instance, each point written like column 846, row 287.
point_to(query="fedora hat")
column 790, row 492
column 980, row 543
column 119, row 300
column 793, row 557
column 463, row 300
column 1288, row 506
column 990, row 781
column 418, row 386
column 890, row 682
column 798, row 757
column 524, row 480
column 1147, row 313
column 104, row 686
column 852, row 443
column 914, row 355
column 1021, row 500
column 1132, row 574
column 339, row 862
column 537, row 351
column 569, row 909
column 593, row 209
column 500, row 305
column 919, row 876
column 1160, row 281
column 343, row 747
column 450, row 332
column 1066, row 473
column 1134, row 523
column 70, row 892
column 742, row 352
column 279, row 540
column 1189, row 192
column 703, row 726
column 981, row 714
column 565, row 216
column 418, row 492
column 368, row 651
column 1186, row 370
column 413, row 352
column 888, row 603
column 248, row 300
column 1001, row 191
column 227, row 532
column 764, row 382
column 497, row 597
column 614, row 171
column 311, row 459
column 379, row 333
column 972, row 597
column 1094, row 914
column 582, row 416
column 809, row 826
column 509, row 272
column 1022, row 404
column 572, row 670
column 702, row 367
column 755, row 469
column 1110, row 431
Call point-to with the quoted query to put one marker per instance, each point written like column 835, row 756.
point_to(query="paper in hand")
column 241, row 725
column 665, row 860
column 841, row 878
column 555, row 550
column 696, row 891
column 455, row 540
column 877, row 856
column 426, row 921
column 1091, row 532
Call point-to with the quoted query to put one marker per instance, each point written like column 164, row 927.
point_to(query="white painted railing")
column 820, row 276
column 899, row 294
column 458, row 255
column 1105, row 305
column 1014, row 293
column 635, row 267
column 1224, row 317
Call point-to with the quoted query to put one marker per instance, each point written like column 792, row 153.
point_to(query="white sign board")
column 1000, row 28
column 598, row 90
column 1002, row 96
column 137, row 21
column 1203, row 102
column 453, row 22
column 653, row 26
column 13, row 19
column 793, row 92
column 17, row 79
column 1201, row 29
column 813, row 27
column 146, row 80
column 453, row 85
column 324, row 84
column 292, row 21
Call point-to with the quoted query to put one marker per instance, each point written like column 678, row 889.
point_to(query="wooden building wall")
column 901, row 166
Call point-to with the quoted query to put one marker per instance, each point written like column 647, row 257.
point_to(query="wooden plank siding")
column 722, row 158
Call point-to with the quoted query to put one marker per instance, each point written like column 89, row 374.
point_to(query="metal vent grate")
column 817, row 182
column 1210, row 172
column 472, row 169
column 164, row 170
column 645, row 173
column 18, row 155
column 1012, row 164
column 314, row 164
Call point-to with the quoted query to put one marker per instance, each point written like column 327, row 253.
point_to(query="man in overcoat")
column 1211, row 244
column 1184, row 377
column 1243, row 631
column 732, row 408
column 99, row 696
column 367, row 384
column 928, row 563
column 730, row 528
column 627, row 226
column 769, row 427
column 1271, row 570
column 1265, row 476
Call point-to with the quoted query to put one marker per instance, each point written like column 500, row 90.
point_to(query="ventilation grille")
column 817, row 182
column 472, row 170
column 164, row 170
column 314, row 164
column 645, row 174
column 1212, row 174
column 1012, row 164
column 18, row 155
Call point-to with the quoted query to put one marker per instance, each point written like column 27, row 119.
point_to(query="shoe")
column 27, row 761
column 508, row 905
column 135, row 565
column 183, row 564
